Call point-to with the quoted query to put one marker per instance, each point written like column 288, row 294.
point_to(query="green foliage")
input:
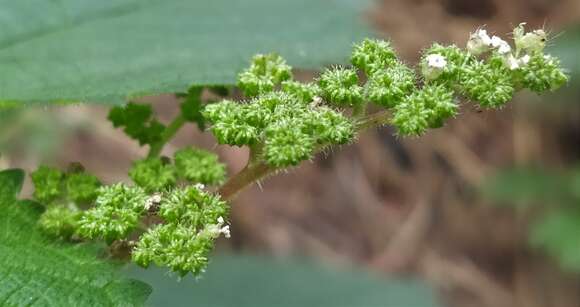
column 565, row 47
column 282, row 283
column 191, row 108
column 557, row 194
column 557, row 233
column 116, row 213
column 199, row 166
column 137, row 122
column 153, row 174
column 165, row 221
column 65, row 51
column 37, row 272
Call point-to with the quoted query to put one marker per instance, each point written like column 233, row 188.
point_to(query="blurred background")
column 485, row 210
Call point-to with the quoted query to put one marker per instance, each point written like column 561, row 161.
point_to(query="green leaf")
column 251, row 281
column 113, row 50
column 559, row 234
column 36, row 272
column 525, row 186
column 565, row 47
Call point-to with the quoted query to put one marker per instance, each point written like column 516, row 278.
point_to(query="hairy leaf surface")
column 111, row 50
column 36, row 272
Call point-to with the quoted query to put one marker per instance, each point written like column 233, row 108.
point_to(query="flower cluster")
column 193, row 219
column 279, row 116
column 167, row 216
column 62, row 194
column 489, row 71
column 286, row 119
column 190, row 165
column 116, row 213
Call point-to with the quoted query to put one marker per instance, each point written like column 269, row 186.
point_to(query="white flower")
column 433, row 66
column 199, row 186
column 219, row 228
column 479, row 42
column 226, row 231
column 436, row 61
column 502, row 46
column 524, row 60
column 511, row 62
column 153, row 200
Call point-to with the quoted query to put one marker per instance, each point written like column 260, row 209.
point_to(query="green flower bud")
column 389, row 86
column 47, row 184
column 192, row 206
column 235, row 132
column 59, row 221
column 153, row 174
column 531, row 42
column 372, row 55
column 443, row 63
column 82, row 187
column 303, row 92
column 287, row 145
column 489, row 83
column 329, row 126
column 265, row 72
column 199, row 166
column 426, row 108
column 116, row 213
column 340, row 87
column 542, row 73
column 176, row 246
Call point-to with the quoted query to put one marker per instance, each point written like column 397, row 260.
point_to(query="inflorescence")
column 168, row 217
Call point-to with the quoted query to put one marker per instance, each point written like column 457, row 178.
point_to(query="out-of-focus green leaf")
column 565, row 47
column 113, row 50
column 35, row 271
column 559, row 234
column 31, row 131
column 527, row 186
column 251, row 281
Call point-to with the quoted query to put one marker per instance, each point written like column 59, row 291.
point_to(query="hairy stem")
column 374, row 120
column 166, row 136
column 256, row 169
column 250, row 174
